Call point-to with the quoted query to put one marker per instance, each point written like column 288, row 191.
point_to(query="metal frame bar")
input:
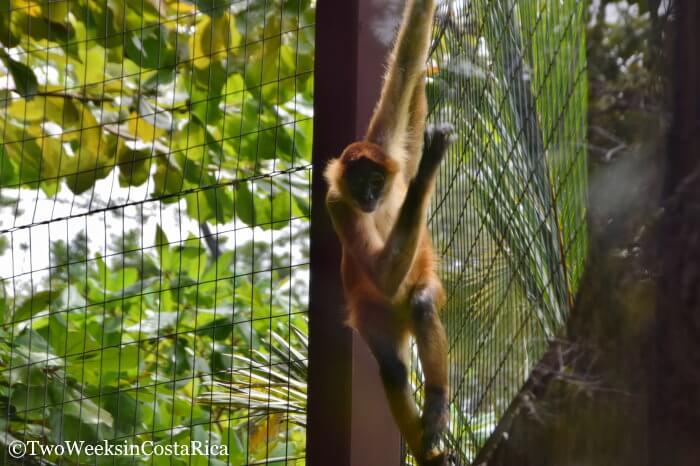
column 349, row 423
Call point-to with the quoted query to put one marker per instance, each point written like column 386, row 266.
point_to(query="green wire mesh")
column 509, row 216
column 154, row 188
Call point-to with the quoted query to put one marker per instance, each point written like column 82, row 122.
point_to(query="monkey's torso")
column 363, row 297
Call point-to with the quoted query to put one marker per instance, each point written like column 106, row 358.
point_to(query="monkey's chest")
column 386, row 215
column 360, row 289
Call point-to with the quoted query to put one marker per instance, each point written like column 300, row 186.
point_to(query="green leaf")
column 164, row 251
column 36, row 303
column 167, row 180
column 125, row 410
column 245, row 206
column 25, row 81
column 161, row 238
column 88, row 412
column 150, row 47
column 133, row 165
column 8, row 173
column 7, row 37
column 212, row 7
column 65, row 340
column 105, row 365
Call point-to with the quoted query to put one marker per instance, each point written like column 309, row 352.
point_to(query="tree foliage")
column 186, row 95
column 206, row 107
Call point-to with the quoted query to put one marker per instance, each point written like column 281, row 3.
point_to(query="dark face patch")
column 365, row 180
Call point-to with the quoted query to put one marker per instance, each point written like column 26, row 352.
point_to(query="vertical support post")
column 330, row 343
column 349, row 422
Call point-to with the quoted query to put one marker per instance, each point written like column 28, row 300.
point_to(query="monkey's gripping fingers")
column 440, row 460
column 446, row 458
column 437, row 140
column 439, row 137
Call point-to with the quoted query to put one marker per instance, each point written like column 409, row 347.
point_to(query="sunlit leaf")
column 213, row 39
column 55, row 10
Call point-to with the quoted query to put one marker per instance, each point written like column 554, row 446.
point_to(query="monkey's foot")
column 433, row 455
column 445, row 458
column 438, row 459
column 452, row 459
column 435, row 418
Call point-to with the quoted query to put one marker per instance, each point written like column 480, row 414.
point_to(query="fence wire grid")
column 509, row 216
column 154, row 187
column 154, row 211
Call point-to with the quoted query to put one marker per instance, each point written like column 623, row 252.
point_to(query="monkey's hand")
column 437, row 140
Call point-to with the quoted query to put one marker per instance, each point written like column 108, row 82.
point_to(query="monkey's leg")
column 391, row 354
column 431, row 341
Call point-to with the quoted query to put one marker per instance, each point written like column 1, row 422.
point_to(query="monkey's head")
column 367, row 174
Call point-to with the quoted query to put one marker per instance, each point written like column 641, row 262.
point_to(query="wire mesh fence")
column 509, row 216
column 154, row 211
column 154, row 186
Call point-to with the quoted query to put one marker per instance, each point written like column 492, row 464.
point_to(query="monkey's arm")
column 390, row 122
column 356, row 232
column 396, row 258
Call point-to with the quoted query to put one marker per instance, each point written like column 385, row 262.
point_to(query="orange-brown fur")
column 390, row 293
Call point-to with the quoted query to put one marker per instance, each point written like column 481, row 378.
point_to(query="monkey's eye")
column 376, row 180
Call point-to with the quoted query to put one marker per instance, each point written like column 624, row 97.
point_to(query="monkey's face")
column 365, row 180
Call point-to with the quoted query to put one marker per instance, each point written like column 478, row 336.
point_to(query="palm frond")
column 509, row 216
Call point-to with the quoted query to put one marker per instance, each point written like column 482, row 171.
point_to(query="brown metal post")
column 349, row 423
column 330, row 343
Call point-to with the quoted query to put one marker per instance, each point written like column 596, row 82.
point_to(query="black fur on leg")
column 422, row 306
column 394, row 373
column 435, row 418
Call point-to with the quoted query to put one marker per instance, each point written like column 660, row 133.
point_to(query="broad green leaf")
column 262, row 66
column 154, row 323
column 150, row 47
column 55, row 10
column 36, row 303
column 133, row 164
column 23, row 76
column 143, row 128
column 27, row 399
column 168, row 179
column 30, row 110
column 108, row 363
column 213, row 39
column 125, row 410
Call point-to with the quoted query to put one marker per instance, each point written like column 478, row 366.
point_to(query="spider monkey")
column 379, row 192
